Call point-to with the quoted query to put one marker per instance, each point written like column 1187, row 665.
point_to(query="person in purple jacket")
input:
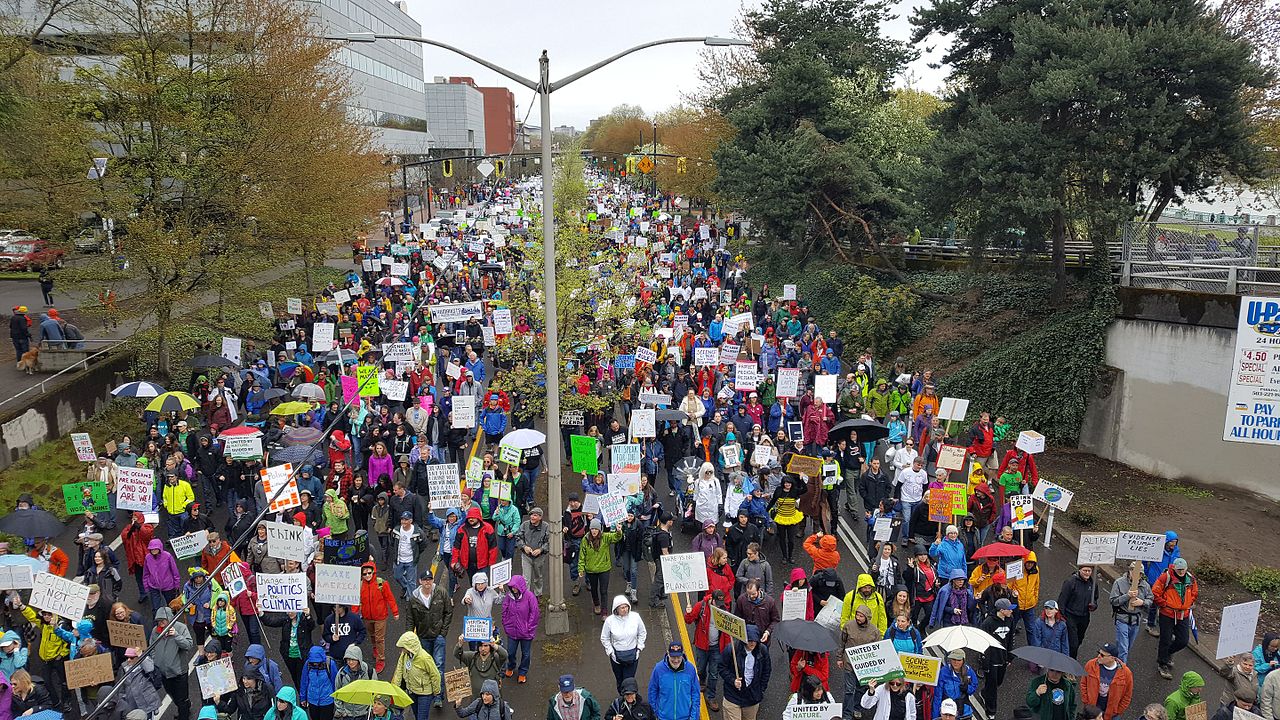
column 160, row 578
column 520, row 616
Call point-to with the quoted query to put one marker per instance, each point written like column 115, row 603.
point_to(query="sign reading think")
column 684, row 572
column 1239, row 623
column 60, row 596
column 282, row 592
column 1140, row 546
column 1097, row 549
column 728, row 623
column 287, row 542
column 875, row 661
column 338, row 584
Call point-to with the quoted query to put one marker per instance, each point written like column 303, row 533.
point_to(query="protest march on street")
column 758, row 519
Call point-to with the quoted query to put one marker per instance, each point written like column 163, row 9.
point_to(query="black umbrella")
column 687, row 468
column 274, row 393
column 32, row 522
column 296, row 454
column 1050, row 659
column 670, row 415
column 868, row 431
column 805, row 635
column 211, row 361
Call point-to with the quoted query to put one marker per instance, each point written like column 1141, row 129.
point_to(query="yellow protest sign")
column 920, row 668
column 727, row 622
column 959, row 498
column 367, row 380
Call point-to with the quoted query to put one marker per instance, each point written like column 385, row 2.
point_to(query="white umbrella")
column 309, row 391
column 958, row 637
column 524, row 438
column 140, row 388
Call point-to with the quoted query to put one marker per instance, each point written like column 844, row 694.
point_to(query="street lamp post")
column 557, row 616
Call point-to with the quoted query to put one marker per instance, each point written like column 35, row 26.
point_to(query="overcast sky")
column 578, row 33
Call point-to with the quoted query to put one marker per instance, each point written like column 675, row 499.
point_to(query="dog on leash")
column 28, row 360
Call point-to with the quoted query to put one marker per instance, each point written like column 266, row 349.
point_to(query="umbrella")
column 293, row 407
column 309, row 391
column 524, row 438
column 999, row 550
column 362, row 692
column 291, row 368
column 274, row 393
column 670, row 415
column 32, row 522
column 390, row 282
column 36, row 564
column 687, row 468
column 211, row 361
column 138, row 389
column 868, row 431
column 173, row 402
column 240, row 431
column 249, row 377
column 296, row 454
column 958, row 637
column 805, row 635
column 340, row 355
column 301, row 435
column 1050, row 659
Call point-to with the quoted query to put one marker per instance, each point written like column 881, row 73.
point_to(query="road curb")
column 1197, row 646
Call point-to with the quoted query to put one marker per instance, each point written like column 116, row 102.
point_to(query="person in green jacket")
column 1188, row 693
column 286, row 706
column 506, row 524
column 416, row 672
column 1053, row 695
column 878, row 400
column 335, row 513
column 595, row 560
column 900, row 400
column 573, row 702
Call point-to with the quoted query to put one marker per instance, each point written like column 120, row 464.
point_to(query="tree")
column 618, row 133
column 695, row 135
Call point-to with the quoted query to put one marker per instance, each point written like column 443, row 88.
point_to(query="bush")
column 1210, row 570
column 1261, row 580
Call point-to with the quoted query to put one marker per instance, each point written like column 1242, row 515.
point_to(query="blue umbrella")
column 36, row 564
column 139, row 388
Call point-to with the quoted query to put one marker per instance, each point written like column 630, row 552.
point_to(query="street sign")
column 645, row 165
column 485, row 168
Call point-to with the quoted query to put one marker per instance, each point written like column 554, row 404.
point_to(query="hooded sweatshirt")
column 1176, row 704
column 520, row 611
column 376, row 599
column 622, row 634
column 318, row 678
column 160, row 572
column 346, row 676
column 415, row 668
column 270, row 669
column 294, row 712
column 823, row 550
column 875, row 603
column 171, row 653
column 497, row 710
column 798, row 576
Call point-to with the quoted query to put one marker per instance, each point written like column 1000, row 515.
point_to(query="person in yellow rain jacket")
column 54, row 651
column 865, row 593
column 1026, row 590
column 176, row 498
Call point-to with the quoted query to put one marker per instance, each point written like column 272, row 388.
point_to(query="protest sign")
column 293, row 306
column 624, row 362
column 746, row 376
column 883, row 529
column 624, row 483
column 457, row 685
column 338, row 584
column 400, row 269
column 280, row 487
column 286, row 541
column 327, row 308
column 84, row 497
column 341, row 297
column 655, row 398
column 395, row 390
column 89, row 671
column 795, row 604
column 1054, row 495
column 509, row 455
column 1239, row 624
column 1021, row 510
column 583, row 454
column 282, row 592
column 613, row 509
column 795, row 430
column 591, row 503
column 705, row 356
column 60, row 596
column 16, row 577
column 951, row 457
column 729, row 353
column 816, row 711
column 453, row 371
column 443, row 483
column 824, row 388
column 500, row 573
column 500, row 490
column 502, row 321
column 231, row 349
column 953, row 409
column 464, row 411
column 1240, row 714
column 1140, row 546
column 367, row 380
column 805, row 465
column 189, row 545
column 126, row 635
column 625, row 459
column 1097, row 549
column 476, row 473
column 684, row 572
column 788, row 292
column 829, row 616
column 476, row 628
column 731, row 455
column 941, row 504
column 875, row 661
column 1199, row 711
column 1014, row 570
column 571, row 418
column 643, row 423
column 397, row 351
column 487, row 335
column 728, row 623
column 1030, row 441
column 216, row 677
column 322, row 337
column 788, row 382
column 84, row 447
column 922, row 669
column 242, row 447
column 741, row 321
column 338, row 551
column 135, row 489
column 959, row 498
column 233, row 580
column 645, row 355
column 761, row 455
column 266, row 310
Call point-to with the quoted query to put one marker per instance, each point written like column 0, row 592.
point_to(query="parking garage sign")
column 1253, row 398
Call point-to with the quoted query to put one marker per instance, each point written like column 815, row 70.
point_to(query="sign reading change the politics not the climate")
column 1253, row 396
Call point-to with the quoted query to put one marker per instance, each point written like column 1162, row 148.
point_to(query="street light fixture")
column 557, row 616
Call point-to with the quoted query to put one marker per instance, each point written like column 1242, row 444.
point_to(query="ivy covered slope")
column 1005, row 346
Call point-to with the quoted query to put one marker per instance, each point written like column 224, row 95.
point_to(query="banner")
column 456, row 312
column 1253, row 407
column 338, row 584
column 135, row 489
column 282, row 592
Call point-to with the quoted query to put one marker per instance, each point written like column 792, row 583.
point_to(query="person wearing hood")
column 1053, row 696
column 673, row 687
column 489, row 704
column 377, row 601
column 745, row 669
column 1154, row 569
column 865, row 593
column 623, row 637
column 160, row 578
column 417, row 673
column 800, row 581
column 255, row 658
column 250, row 701
column 135, row 537
column 336, row 513
column 629, row 705
column 520, row 617
column 343, row 629
column 199, row 592
column 595, row 560
column 13, row 657
column 50, row 331
column 286, row 706
column 479, row 598
column 140, row 693
column 353, row 668
column 171, row 651
column 475, row 545
column 1188, row 693
column 1266, row 657
column 822, row 548
column 484, row 663
column 448, row 529
column 430, row 614
column 955, row 603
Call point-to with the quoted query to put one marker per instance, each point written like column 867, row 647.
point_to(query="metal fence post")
column 1126, row 273
column 1232, row 277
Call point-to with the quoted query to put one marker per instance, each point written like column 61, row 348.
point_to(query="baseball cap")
column 425, row 574
column 1004, row 604
column 1110, row 649
column 956, row 655
column 1180, row 564
column 674, row 649
column 406, row 515
column 566, row 683
column 948, row 707
column 1050, row 604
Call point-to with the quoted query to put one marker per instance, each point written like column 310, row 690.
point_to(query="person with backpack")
column 353, row 668
column 956, row 682
column 317, row 684
column 377, row 601
column 660, row 545
column 416, row 671
column 574, row 522
column 629, row 705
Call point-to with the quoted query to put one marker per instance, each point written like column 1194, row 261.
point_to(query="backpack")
column 647, row 551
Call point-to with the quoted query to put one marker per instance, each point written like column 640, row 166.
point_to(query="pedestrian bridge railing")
column 84, row 359
column 1216, row 278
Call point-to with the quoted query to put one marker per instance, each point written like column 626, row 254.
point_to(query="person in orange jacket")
column 822, row 548
column 1119, row 691
column 42, row 549
column 377, row 601
column 1175, row 593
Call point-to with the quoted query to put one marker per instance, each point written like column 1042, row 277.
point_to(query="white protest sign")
column 394, row 389
column 502, row 321
column 135, row 489
column 953, row 409
column 795, row 604
column 84, row 447
column 788, row 382
column 729, row 353
column 266, row 310
column 761, row 455
column 705, row 356
column 282, row 592
column 293, row 306
column 397, row 351
column 1147, row 547
column 286, row 541
column 477, row 628
column 613, row 509
column 1054, row 495
column 488, row 336
column 231, row 349
column 216, row 678
column 746, row 376
column 788, row 292
column 240, row 447
column 338, row 584
column 684, row 572
column 273, row 479
column 1014, row 570
column 824, row 388
column 643, row 423
column 16, row 577
column 443, row 483
column 500, row 573
column 464, row 411
column 327, row 308
column 883, row 529
column 400, row 268
column 60, row 596
column 456, row 312
column 189, row 545
column 453, row 370
column 624, row 483
column 655, row 398
column 741, row 321
column 644, row 354
column 874, row 661
column 322, row 337
column 1030, row 441
column 341, row 296
column 1239, row 624
column 233, row 580
column 1097, row 549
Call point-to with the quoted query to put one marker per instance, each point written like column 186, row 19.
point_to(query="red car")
column 30, row 255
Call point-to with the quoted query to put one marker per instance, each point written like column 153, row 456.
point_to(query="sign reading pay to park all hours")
column 1253, row 395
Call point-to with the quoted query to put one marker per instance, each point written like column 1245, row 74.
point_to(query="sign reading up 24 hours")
column 1253, row 399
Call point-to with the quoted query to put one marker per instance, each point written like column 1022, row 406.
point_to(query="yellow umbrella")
column 362, row 692
column 293, row 407
column 173, row 402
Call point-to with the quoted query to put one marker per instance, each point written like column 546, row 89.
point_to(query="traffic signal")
column 500, row 167
column 524, row 162
column 682, row 165
column 446, row 168
column 631, row 164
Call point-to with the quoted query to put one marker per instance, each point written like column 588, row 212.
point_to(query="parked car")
column 30, row 254
column 90, row 240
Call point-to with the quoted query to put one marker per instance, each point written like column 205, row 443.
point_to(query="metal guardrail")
column 1200, row 277
column 1077, row 253
column 79, row 365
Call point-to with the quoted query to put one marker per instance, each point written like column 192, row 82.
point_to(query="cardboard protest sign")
column 189, row 545
column 457, row 685
column 1140, row 546
column 500, row 573
column 1056, row 496
column 126, row 635
column 339, row 551
column 788, row 382
column 16, row 577
column 280, row 487
column 60, row 596
column 875, row 661
column 795, row 604
column 1199, row 711
column 613, row 509
column 282, row 592
column 1030, row 441
column 805, row 465
column 920, row 668
column 684, row 572
column 1097, row 549
column 216, row 678
column 89, row 671
column 135, row 489
column 444, row 484
column 464, row 411
column 84, row 497
column 339, row 584
column 477, row 628
column 1239, row 624
column 727, row 622
column 582, row 452
column 1021, row 509
column 83, row 446
column 951, row 457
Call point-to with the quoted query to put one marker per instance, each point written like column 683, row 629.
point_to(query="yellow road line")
column 435, row 563
column 688, row 646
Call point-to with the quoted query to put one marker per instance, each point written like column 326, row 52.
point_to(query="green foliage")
column 1173, row 487
column 1211, row 570
column 1261, row 580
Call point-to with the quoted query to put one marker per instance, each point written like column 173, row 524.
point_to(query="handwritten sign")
column 293, row 306
column 126, row 635
column 280, row 487
column 1053, row 495
column 1199, row 711
column 282, row 592
column 805, row 465
column 643, row 423
column 322, row 337
column 189, row 545
column 941, row 504
column 443, row 484
column 89, row 671
column 135, row 489
column 216, row 678
column 1140, row 546
column 1021, row 510
column 367, row 380
column 875, row 661
column 338, row 584
column 795, row 604
column 684, row 572
column 84, row 497
column 1239, row 624
column 706, row 356
column 613, row 509
column 951, row 457
column 340, row 551
column 16, row 577
column 729, row 353
column 84, row 447
column 502, row 321
column 1014, row 570
column 922, row 669
column 1097, row 549
column 728, row 623
column 788, row 382
column 571, row 418
column 464, row 411
column 478, row 629
column 233, row 580
column 286, row 541
column 500, row 573
column 60, row 596
column 645, row 355
column 457, row 685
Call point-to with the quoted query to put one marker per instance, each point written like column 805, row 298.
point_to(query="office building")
column 455, row 116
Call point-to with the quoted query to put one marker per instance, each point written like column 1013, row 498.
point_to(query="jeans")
column 1126, row 636
column 629, row 570
column 506, row 547
column 421, row 705
column 622, row 671
column 173, row 524
column 708, row 669
column 435, row 646
column 1174, row 636
column 252, row 628
column 1028, row 618
column 21, row 345
column 525, row 647
column 404, row 573
column 852, row 693
column 571, row 546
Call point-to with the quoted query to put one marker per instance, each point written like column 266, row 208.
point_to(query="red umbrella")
column 240, row 430
column 1000, row 550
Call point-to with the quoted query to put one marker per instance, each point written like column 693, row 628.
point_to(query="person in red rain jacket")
column 719, row 574
column 377, row 602
column 136, row 536
column 475, row 545
column 708, row 662
column 982, row 439
column 339, row 446
column 804, row 663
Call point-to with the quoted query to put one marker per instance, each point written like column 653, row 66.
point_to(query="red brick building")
column 499, row 116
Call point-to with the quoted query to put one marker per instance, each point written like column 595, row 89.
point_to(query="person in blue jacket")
column 1050, row 629
column 1266, row 657
column 956, row 595
column 493, row 421
column 1154, row 569
column 904, row 636
column 286, row 707
column 674, row 693
column 948, row 553
column 956, row 682
column 317, row 686
column 448, row 528
column 256, row 657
